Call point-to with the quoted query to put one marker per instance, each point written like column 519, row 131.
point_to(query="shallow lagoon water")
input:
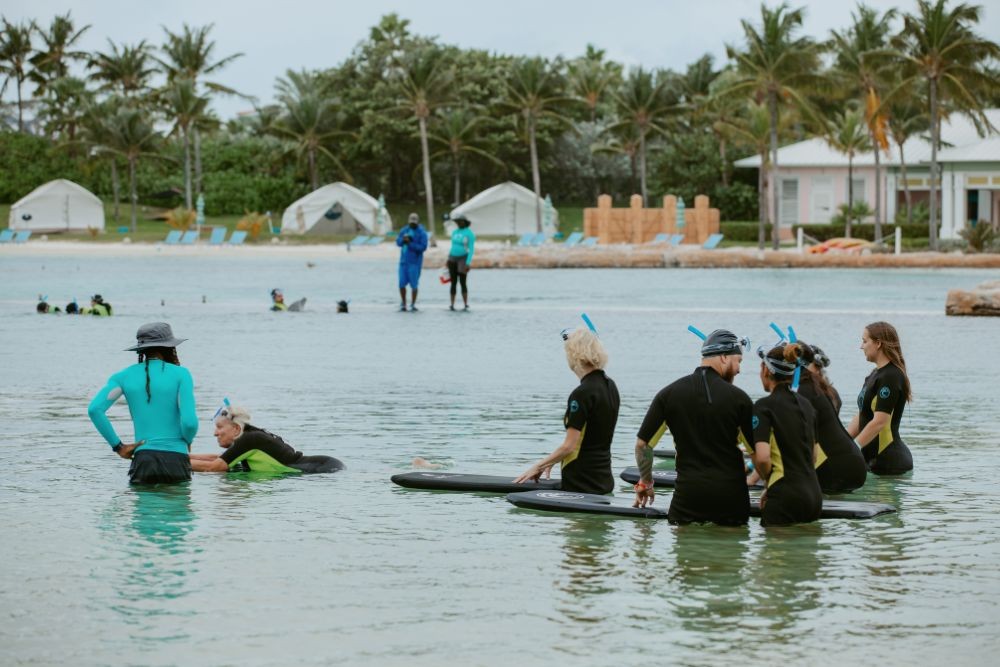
column 348, row 569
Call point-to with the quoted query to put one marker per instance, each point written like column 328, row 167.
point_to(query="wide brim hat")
column 154, row 334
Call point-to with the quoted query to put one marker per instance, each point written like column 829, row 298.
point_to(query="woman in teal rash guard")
column 463, row 244
column 160, row 397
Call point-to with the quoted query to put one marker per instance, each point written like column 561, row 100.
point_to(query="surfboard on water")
column 588, row 503
column 667, row 478
column 453, row 481
column 298, row 306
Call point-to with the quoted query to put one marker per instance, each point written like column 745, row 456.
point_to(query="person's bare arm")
column 570, row 443
column 872, row 428
column 215, row 465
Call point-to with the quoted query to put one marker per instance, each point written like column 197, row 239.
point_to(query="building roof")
column 958, row 134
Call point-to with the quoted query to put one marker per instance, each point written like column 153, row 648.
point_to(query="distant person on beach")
column 463, row 245
column 412, row 241
column 881, row 402
column 784, row 437
column 251, row 449
column 160, row 396
column 99, row 307
column 590, row 419
column 708, row 418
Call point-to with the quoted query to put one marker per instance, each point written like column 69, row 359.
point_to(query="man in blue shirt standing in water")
column 412, row 240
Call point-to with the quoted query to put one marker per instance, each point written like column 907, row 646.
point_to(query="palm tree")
column 643, row 102
column 63, row 108
column 189, row 56
column 52, row 61
column 15, row 52
column 535, row 91
column 907, row 118
column 848, row 133
column 310, row 118
column 753, row 126
column 126, row 69
column 132, row 137
column 590, row 76
column 855, row 66
column 778, row 68
column 937, row 46
column 457, row 131
column 424, row 85
column 624, row 141
column 96, row 137
column 718, row 111
column 180, row 101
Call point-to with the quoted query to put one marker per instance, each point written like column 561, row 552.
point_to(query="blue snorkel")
column 590, row 325
column 777, row 330
column 697, row 333
column 225, row 404
column 792, row 338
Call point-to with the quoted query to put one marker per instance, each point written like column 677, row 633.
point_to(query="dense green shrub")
column 29, row 161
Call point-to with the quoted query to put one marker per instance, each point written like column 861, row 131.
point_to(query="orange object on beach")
column 839, row 245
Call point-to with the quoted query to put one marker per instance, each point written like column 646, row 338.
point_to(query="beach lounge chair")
column 238, row 237
column 123, row 229
column 22, row 236
column 189, row 237
column 676, row 240
column 6, row 235
column 539, row 239
column 589, row 242
column 573, row 239
column 659, row 239
column 218, row 236
column 375, row 240
column 525, row 240
column 173, row 237
column 712, row 241
column 360, row 239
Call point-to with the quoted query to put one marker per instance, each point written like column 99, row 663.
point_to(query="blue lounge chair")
column 360, row 239
column 676, row 240
column 238, row 237
column 189, row 237
column 6, row 235
column 539, row 239
column 375, row 240
column 589, row 242
column 573, row 239
column 173, row 237
column 525, row 240
column 659, row 239
column 22, row 236
column 712, row 241
column 218, row 236
column 123, row 230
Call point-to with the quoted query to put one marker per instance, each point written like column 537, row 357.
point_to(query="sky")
column 297, row 34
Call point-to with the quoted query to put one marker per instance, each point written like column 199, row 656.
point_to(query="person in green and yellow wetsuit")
column 463, row 245
column 590, row 419
column 278, row 300
column 784, row 435
column 160, row 396
column 881, row 402
column 252, row 449
column 98, row 307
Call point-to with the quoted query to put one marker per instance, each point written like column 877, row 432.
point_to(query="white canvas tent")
column 58, row 206
column 507, row 209
column 337, row 208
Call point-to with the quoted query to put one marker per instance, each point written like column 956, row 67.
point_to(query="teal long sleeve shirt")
column 166, row 422
column 463, row 242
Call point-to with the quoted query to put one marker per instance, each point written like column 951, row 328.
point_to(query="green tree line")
column 418, row 120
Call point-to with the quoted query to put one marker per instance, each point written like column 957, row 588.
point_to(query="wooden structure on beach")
column 638, row 225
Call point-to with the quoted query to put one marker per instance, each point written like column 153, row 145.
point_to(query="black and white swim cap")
column 722, row 341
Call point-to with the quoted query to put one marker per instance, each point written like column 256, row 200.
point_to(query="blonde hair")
column 236, row 414
column 584, row 350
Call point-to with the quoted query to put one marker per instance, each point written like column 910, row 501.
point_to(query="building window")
column 789, row 201
column 859, row 191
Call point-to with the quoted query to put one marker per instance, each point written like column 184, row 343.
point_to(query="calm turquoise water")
column 347, row 569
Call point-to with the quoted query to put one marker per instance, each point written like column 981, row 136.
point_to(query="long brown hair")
column 885, row 334
column 818, row 380
column 166, row 354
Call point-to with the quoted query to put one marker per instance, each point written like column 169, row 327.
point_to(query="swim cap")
column 721, row 341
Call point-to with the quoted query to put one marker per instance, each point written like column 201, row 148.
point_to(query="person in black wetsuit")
column 784, row 441
column 818, row 366
column 881, row 402
column 249, row 448
column 590, row 419
column 840, row 466
column 708, row 418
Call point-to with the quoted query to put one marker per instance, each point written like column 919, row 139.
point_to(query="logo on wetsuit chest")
column 573, row 406
column 883, row 392
column 756, row 421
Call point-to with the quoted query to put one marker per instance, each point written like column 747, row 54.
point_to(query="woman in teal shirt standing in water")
column 463, row 244
column 160, row 397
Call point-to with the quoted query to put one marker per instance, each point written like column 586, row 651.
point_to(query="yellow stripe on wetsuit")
column 777, row 467
column 576, row 452
column 885, row 435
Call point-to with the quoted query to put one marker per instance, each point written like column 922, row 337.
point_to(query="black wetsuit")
column 708, row 418
column 840, row 466
column 260, row 451
column 885, row 391
column 592, row 409
column 788, row 422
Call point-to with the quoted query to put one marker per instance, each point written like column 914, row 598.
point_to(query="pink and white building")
column 812, row 177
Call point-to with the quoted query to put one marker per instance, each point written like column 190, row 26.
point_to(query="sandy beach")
column 501, row 255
